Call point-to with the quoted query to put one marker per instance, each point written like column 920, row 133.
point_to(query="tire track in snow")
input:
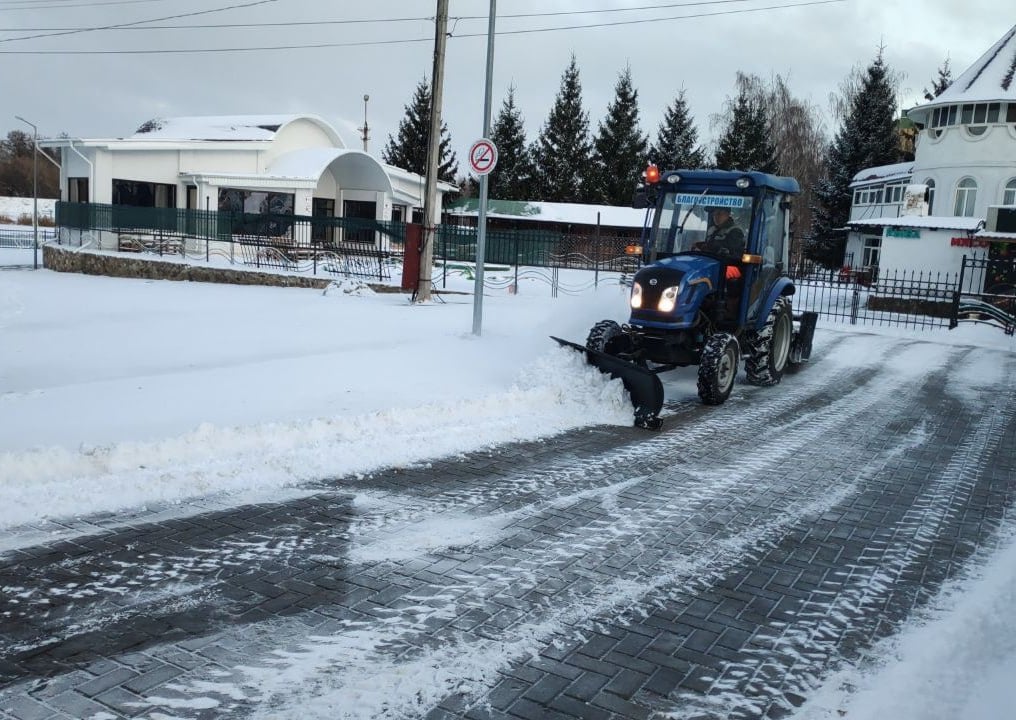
column 790, row 661
column 670, row 448
column 361, row 652
column 99, row 595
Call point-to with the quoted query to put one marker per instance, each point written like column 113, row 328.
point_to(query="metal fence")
column 358, row 247
column 989, row 293
column 897, row 298
column 982, row 291
column 24, row 238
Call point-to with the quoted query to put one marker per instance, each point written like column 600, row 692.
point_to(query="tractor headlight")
column 636, row 296
column 668, row 299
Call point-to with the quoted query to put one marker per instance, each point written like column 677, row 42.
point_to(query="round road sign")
column 482, row 156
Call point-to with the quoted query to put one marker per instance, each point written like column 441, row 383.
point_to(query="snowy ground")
column 157, row 392
column 16, row 208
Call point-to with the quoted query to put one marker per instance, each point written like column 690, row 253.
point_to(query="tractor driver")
column 723, row 237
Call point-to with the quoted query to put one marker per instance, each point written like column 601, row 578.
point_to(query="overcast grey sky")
column 813, row 45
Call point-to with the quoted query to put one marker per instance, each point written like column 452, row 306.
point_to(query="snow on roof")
column 882, row 173
column 307, row 163
column 216, row 127
column 928, row 222
column 553, row 212
column 989, row 79
column 995, row 235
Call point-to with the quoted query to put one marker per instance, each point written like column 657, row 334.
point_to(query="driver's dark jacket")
column 726, row 240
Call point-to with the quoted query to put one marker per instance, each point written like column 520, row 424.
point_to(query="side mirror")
column 640, row 198
column 785, row 204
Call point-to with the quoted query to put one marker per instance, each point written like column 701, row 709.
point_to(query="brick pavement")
column 604, row 573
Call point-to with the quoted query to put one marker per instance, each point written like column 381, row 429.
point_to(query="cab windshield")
column 683, row 220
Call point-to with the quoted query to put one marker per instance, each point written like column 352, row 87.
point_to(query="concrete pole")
column 366, row 130
column 423, row 291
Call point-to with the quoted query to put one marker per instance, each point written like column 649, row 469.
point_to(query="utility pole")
column 366, row 135
column 35, row 189
column 433, row 154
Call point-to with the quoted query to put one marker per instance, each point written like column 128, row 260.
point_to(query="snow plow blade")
column 643, row 386
column 800, row 343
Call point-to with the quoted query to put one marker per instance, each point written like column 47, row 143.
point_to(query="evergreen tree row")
column 566, row 162
column 762, row 127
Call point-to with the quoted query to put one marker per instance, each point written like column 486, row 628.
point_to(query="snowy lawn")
column 116, row 394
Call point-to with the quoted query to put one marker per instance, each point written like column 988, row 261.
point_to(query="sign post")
column 482, row 159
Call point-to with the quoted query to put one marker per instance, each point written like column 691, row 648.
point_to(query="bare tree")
column 797, row 133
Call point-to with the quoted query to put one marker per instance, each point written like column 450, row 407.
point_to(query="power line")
column 363, row 43
column 430, row 18
column 140, row 22
column 25, row 5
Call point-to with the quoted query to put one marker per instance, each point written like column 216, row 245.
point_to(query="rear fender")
column 783, row 286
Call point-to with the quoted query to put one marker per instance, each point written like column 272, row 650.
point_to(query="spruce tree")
column 746, row 142
column 677, row 140
column 867, row 138
column 940, row 84
column 562, row 151
column 512, row 176
column 619, row 148
column 409, row 151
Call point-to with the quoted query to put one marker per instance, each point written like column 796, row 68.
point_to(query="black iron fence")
column 351, row 246
column 989, row 294
column 982, row 291
column 908, row 299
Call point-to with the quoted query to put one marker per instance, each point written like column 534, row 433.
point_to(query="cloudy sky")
column 97, row 84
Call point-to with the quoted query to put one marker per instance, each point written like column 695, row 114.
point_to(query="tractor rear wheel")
column 769, row 348
column 718, row 368
column 607, row 337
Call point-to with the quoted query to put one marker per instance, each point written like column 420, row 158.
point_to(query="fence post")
column 553, row 281
column 516, row 262
column 955, row 319
column 855, row 303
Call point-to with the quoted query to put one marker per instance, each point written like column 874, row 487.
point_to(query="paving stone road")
column 716, row 569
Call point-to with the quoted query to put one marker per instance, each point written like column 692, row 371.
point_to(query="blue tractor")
column 712, row 289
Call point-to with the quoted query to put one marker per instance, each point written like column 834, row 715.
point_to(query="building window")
column 894, row 194
column 931, row 194
column 360, row 222
column 77, row 189
column 1010, row 114
column 966, row 196
column 143, row 194
column 398, row 213
column 969, row 114
column 322, row 230
column 871, row 251
column 1009, row 194
column 257, row 213
column 870, row 196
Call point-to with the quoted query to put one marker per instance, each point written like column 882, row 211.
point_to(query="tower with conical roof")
column 966, row 149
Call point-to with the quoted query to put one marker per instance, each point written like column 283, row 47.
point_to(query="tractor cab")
column 729, row 229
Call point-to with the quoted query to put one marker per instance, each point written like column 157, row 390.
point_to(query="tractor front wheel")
column 769, row 348
column 607, row 337
column 718, row 368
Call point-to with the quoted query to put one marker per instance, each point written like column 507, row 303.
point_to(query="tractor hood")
column 671, row 290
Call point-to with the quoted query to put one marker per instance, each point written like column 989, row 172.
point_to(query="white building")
column 292, row 164
column 926, row 215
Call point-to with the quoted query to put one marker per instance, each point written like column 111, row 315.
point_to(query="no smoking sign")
column 482, row 156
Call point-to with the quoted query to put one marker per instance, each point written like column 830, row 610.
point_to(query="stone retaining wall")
column 62, row 259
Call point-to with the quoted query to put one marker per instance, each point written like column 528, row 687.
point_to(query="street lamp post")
column 35, row 189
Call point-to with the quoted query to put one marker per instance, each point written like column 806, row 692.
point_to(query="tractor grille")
column 663, row 277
